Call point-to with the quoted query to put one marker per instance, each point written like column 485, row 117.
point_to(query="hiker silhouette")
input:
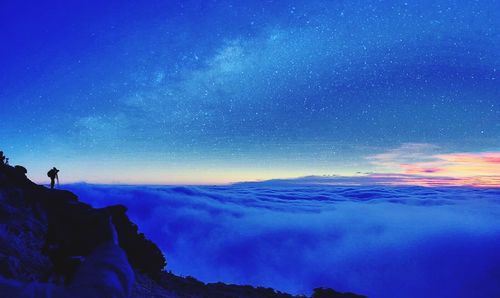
column 53, row 176
column 2, row 158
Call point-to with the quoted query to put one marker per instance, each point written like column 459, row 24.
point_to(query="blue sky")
column 221, row 91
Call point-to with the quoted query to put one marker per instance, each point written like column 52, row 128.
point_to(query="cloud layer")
column 379, row 241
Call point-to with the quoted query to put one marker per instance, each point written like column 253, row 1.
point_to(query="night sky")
column 222, row 91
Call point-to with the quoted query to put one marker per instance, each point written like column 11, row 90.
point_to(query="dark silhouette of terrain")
column 76, row 228
column 47, row 230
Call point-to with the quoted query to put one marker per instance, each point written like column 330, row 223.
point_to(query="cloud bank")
column 375, row 240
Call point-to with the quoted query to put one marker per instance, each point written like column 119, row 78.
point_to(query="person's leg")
column 52, row 182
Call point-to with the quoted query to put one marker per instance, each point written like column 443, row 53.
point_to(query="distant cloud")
column 434, row 168
column 405, row 154
column 388, row 179
column 483, row 158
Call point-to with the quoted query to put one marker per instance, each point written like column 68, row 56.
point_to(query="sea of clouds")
column 374, row 240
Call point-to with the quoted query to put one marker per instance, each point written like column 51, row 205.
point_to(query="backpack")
column 51, row 173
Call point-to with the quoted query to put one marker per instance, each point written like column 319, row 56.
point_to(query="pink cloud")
column 476, row 158
column 492, row 160
column 481, row 169
column 419, row 169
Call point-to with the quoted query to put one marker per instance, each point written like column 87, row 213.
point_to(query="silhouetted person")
column 53, row 176
column 2, row 158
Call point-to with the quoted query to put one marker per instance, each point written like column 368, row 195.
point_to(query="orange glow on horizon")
column 456, row 169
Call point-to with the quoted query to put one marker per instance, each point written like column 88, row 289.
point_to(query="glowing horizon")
column 474, row 169
column 217, row 92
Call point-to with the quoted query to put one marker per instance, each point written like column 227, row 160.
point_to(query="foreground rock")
column 45, row 233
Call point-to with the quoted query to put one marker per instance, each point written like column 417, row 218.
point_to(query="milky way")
column 217, row 91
